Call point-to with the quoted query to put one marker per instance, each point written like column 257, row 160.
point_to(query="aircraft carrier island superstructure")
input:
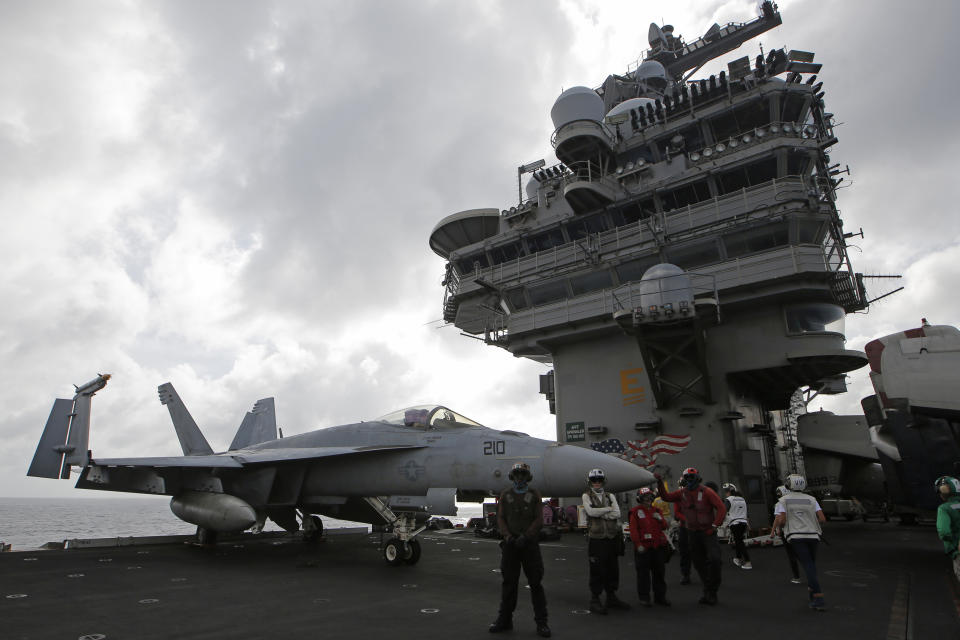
column 682, row 266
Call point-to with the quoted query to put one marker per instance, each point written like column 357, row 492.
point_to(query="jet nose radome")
column 565, row 469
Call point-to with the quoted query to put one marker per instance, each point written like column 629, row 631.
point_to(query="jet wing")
column 240, row 459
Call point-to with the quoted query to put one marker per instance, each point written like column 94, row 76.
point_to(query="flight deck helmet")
column 520, row 473
column 795, row 482
column 781, row 490
column 597, row 475
column 947, row 487
column 690, row 478
column 729, row 486
column 645, row 494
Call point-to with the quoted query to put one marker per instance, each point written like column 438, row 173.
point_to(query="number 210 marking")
column 494, row 447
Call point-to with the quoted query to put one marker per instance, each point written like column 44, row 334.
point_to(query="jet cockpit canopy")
column 428, row 416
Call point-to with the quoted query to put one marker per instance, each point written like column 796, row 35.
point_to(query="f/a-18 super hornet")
column 410, row 463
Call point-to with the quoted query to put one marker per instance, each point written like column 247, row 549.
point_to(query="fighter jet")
column 394, row 470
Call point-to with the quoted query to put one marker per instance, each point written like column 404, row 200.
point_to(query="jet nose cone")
column 565, row 469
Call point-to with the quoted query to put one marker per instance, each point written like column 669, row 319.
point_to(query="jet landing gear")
column 312, row 528
column 397, row 552
column 402, row 548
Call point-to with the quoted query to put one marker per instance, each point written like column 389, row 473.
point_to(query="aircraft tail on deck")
column 259, row 425
column 191, row 439
column 67, row 434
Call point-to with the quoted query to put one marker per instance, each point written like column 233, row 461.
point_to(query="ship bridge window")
column 633, row 270
column 740, row 120
column 798, row 163
column 792, row 109
column 747, row 241
column 750, row 175
column 516, row 299
column 546, row 240
column 687, row 194
column 506, row 252
column 590, row 224
column 814, row 317
column 547, row 292
column 467, row 264
column 587, row 282
column 810, row 230
column 693, row 255
column 638, row 211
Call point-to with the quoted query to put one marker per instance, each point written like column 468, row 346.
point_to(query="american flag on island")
column 643, row 452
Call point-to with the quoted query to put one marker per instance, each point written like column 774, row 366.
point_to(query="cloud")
column 236, row 197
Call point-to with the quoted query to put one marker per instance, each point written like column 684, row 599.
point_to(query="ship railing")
column 583, row 126
column 782, row 262
column 749, row 201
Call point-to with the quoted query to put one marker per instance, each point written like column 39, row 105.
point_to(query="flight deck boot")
column 501, row 624
column 613, row 602
column 597, row 607
column 542, row 629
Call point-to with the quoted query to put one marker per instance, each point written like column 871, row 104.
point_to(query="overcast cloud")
column 236, row 197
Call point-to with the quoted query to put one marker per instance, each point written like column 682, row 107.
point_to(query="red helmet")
column 690, row 478
column 645, row 492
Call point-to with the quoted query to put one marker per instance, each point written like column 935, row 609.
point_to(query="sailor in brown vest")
column 606, row 543
column 520, row 517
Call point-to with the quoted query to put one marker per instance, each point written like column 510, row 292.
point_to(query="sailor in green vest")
column 948, row 519
column 520, row 517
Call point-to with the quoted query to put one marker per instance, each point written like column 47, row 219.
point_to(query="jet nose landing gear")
column 402, row 548
column 397, row 552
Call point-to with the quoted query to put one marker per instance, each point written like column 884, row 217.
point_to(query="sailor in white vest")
column 799, row 517
column 737, row 523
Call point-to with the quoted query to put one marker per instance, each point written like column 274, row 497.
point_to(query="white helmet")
column 796, row 482
column 781, row 490
column 597, row 474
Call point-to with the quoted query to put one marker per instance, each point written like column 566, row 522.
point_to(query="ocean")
column 29, row 523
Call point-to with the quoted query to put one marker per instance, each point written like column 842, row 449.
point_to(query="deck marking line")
column 897, row 627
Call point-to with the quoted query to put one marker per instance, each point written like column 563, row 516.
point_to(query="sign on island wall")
column 576, row 432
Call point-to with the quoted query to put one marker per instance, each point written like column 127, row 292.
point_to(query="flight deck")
column 881, row 580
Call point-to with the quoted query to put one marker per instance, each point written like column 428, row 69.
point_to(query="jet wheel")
column 412, row 556
column 393, row 552
column 316, row 533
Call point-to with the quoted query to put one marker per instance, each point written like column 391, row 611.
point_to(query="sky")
column 236, row 197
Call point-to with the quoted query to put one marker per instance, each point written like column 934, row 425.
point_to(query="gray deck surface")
column 880, row 580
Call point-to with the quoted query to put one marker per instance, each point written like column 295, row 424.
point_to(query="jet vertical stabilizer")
column 67, row 433
column 259, row 425
column 191, row 439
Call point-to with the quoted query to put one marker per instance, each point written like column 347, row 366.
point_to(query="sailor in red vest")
column 647, row 526
column 704, row 512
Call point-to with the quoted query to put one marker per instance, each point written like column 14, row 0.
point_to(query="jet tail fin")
column 191, row 439
column 259, row 425
column 66, row 435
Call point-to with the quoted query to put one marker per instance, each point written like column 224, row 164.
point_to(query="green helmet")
column 947, row 486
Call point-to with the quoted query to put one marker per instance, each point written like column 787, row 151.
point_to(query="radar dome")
column 627, row 105
column 577, row 103
column 533, row 186
column 664, row 284
column 652, row 74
